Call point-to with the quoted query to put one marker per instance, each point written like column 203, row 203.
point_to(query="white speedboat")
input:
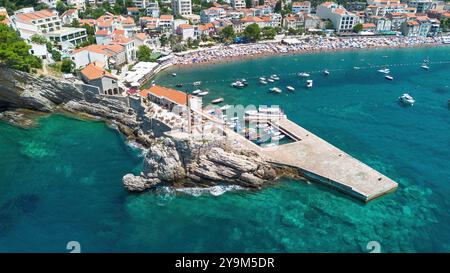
column 425, row 66
column 244, row 82
column 225, row 107
column 406, row 99
column 275, row 90
column 195, row 92
column 304, row 74
column 356, row 67
column 309, row 83
column 270, row 110
column 290, row 88
column 390, row 78
column 263, row 82
column 275, row 77
column 270, row 80
column 196, row 83
column 174, row 74
column 237, row 84
column 262, row 79
column 384, row 71
column 326, row 72
column 218, row 100
column 278, row 137
column 204, row 93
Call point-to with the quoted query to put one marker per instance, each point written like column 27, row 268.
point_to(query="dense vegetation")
column 14, row 52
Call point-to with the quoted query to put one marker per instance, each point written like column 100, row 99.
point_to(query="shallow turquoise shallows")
column 61, row 182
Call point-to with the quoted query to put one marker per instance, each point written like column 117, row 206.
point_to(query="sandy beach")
column 312, row 44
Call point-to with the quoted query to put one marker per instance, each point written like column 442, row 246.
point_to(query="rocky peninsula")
column 170, row 160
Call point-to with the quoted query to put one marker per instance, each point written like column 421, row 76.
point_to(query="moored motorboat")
column 195, row 92
column 326, row 72
column 275, row 90
column 290, row 88
column 271, row 80
column 278, row 137
column 262, row 79
column 203, row 93
column 174, row 74
column 275, row 77
column 309, row 83
column 304, row 74
column 218, row 100
column 263, row 82
column 388, row 77
column 179, row 85
column 425, row 66
column 406, row 99
column 384, row 70
column 197, row 83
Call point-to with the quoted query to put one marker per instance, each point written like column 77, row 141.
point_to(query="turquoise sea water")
column 61, row 182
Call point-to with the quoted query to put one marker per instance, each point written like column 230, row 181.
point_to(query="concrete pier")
column 324, row 163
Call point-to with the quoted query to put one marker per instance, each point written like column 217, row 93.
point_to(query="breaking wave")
column 215, row 190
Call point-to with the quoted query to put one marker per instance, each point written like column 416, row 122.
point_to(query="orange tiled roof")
column 185, row 26
column 369, row 25
column 103, row 32
column 141, row 36
column 90, row 22
column 101, row 49
column 42, row 14
column 171, row 94
column 92, row 72
column 412, row 23
column 69, row 12
column 166, row 17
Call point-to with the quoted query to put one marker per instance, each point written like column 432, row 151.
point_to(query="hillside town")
column 118, row 45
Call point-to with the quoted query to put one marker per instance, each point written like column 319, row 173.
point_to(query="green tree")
column 248, row 3
column 75, row 23
column 119, row 8
column 61, row 7
column 261, row 2
column 14, row 52
column 277, row 8
column 144, row 53
column 329, row 25
column 67, row 66
column 252, row 33
column 227, row 33
column 358, row 28
column 269, row 33
column 56, row 55
column 38, row 39
column 41, row 6
column 163, row 40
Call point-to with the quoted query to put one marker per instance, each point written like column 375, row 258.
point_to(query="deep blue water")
column 61, row 181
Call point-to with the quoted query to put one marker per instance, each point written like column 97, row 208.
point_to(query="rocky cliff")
column 175, row 160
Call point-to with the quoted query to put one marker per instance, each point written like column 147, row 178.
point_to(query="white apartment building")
column 238, row 4
column 49, row 3
column 301, row 7
column 38, row 22
column 182, row 7
column 77, row 3
column 212, row 14
column 342, row 19
column 142, row 4
column 422, row 6
column 48, row 24
column 152, row 9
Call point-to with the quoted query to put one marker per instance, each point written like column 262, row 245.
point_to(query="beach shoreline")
column 181, row 61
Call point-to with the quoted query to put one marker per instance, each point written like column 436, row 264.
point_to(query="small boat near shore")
column 195, row 92
column 174, row 74
column 384, row 70
column 275, row 77
column 389, row 78
column 271, row 80
column 303, row 74
column 197, row 83
column 218, row 100
column 179, row 85
column 290, row 88
column 263, row 82
column 309, row 83
column 406, row 99
column 275, row 90
column 262, row 79
column 203, row 93
column 326, row 72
